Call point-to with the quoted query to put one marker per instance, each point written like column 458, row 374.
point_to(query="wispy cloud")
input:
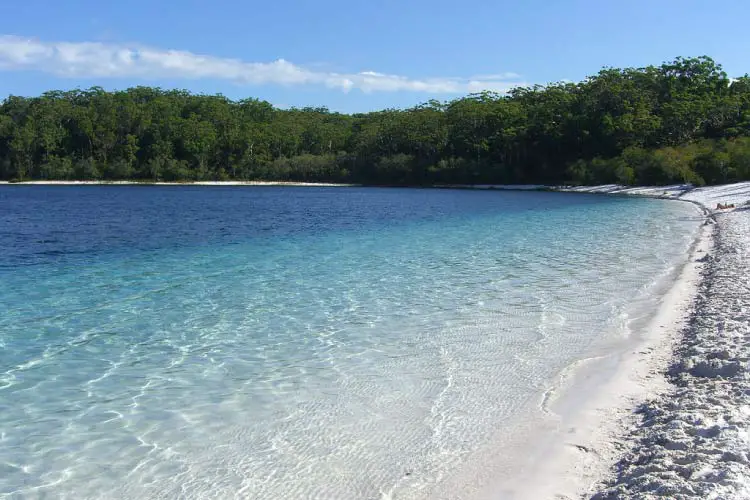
column 105, row 60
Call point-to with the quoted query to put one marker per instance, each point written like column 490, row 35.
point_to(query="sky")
column 353, row 56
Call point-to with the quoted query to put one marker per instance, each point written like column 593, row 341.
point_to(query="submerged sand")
column 595, row 405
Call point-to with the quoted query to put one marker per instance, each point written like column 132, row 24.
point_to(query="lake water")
column 280, row 343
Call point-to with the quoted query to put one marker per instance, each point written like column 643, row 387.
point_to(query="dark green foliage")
column 683, row 121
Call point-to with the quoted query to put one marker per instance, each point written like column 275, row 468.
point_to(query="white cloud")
column 102, row 60
column 509, row 75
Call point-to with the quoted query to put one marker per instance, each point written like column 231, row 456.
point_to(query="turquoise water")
column 299, row 342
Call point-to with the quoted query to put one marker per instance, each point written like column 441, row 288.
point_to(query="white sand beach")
column 674, row 419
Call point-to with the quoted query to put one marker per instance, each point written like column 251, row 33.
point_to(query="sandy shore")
column 594, row 401
column 688, row 436
column 587, row 438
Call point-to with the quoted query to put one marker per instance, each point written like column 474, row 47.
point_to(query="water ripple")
column 319, row 347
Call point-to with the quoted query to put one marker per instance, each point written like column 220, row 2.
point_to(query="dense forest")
column 683, row 121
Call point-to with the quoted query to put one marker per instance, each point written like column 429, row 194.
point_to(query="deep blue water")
column 268, row 342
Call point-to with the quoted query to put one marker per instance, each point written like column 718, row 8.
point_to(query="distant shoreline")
column 158, row 183
column 507, row 187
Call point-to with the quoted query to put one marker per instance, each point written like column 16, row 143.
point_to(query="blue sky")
column 353, row 56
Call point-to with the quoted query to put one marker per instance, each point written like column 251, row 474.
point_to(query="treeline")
column 683, row 121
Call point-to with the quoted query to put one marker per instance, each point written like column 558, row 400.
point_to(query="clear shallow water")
column 298, row 342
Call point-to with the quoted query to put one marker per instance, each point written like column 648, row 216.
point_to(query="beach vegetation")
column 682, row 121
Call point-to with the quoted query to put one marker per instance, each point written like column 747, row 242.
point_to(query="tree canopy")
column 683, row 121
